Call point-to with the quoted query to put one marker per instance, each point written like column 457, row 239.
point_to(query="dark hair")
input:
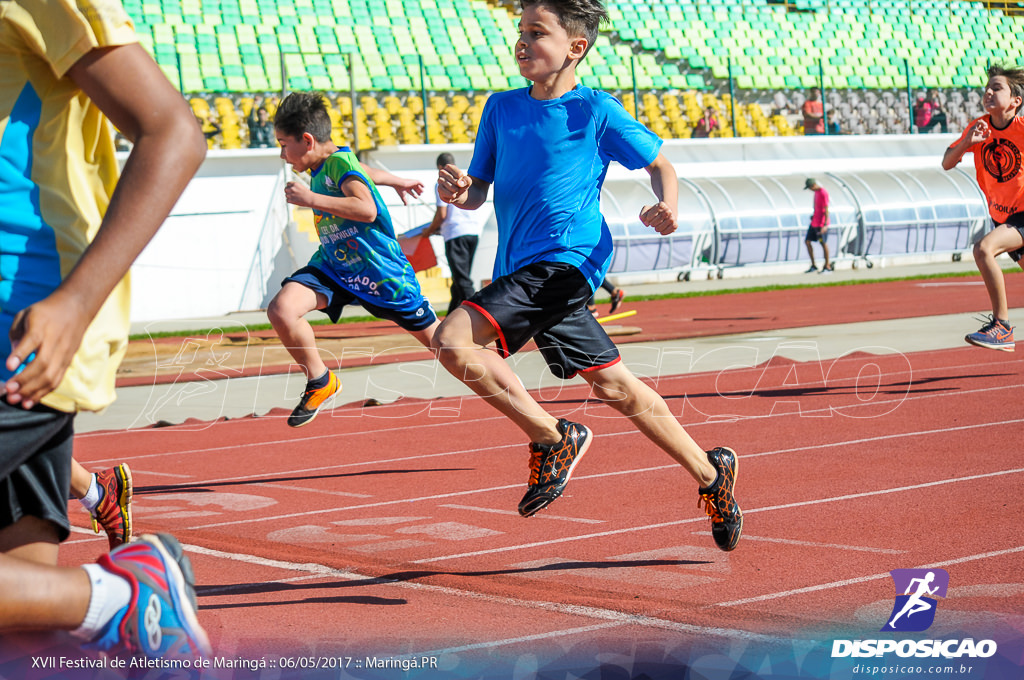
column 445, row 159
column 579, row 18
column 303, row 112
column 1014, row 77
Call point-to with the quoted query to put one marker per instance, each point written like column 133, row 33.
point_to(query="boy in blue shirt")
column 546, row 149
column 359, row 260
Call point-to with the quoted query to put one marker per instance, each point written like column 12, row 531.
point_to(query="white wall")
column 197, row 264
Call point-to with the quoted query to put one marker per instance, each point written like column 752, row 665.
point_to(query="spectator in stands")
column 707, row 124
column 814, row 113
column 209, row 128
column 261, row 128
column 461, row 232
column 780, row 105
column 997, row 141
column 360, row 262
column 546, row 149
column 928, row 113
column 69, row 231
column 819, row 226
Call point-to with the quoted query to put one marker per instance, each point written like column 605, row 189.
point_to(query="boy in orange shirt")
column 996, row 139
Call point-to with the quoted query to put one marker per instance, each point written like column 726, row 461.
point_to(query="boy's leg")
column 287, row 313
column 31, row 539
column 41, row 597
column 828, row 261
column 714, row 470
column 461, row 343
column 1000, row 240
column 426, row 336
column 619, row 388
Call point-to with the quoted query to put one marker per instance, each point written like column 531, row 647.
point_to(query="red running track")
column 393, row 530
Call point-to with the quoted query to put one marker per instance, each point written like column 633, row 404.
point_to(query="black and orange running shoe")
column 551, row 465
column 718, row 501
column 313, row 399
column 114, row 511
column 617, row 297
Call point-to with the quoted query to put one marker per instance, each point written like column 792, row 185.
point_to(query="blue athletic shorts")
column 814, row 234
column 35, row 465
column 547, row 301
column 414, row 319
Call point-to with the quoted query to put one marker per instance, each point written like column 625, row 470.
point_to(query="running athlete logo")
column 913, row 610
column 1001, row 159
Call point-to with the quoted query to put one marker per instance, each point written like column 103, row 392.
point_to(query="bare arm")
column 405, row 187
column 435, row 224
column 357, row 204
column 954, row 154
column 456, row 187
column 664, row 182
column 129, row 88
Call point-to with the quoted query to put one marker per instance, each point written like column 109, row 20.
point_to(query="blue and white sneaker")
column 160, row 618
column 993, row 335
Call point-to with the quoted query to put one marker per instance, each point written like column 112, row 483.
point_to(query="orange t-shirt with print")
column 997, row 164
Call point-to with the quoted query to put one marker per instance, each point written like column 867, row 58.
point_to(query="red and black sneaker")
column 718, row 501
column 114, row 511
column 551, row 466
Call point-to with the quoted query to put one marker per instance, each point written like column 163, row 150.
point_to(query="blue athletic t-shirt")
column 547, row 160
column 363, row 257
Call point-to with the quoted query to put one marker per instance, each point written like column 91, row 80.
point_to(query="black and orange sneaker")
column 617, row 297
column 313, row 399
column 551, row 465
column 114, row 511
column 718, row 501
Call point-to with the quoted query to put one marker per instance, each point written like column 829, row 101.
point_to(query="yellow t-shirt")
column 997, row 164
column 57, row 173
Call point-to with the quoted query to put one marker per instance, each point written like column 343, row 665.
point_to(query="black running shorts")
column 1016, row 221
column 547, row 301
column 35, row 465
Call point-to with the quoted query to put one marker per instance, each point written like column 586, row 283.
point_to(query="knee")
column 447, row 344
column 279, row 311
column 983, row 250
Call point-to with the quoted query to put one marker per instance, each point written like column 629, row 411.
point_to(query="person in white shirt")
column 461, row 232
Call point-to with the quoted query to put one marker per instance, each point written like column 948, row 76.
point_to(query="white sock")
column 93, row 497
column 110, row 594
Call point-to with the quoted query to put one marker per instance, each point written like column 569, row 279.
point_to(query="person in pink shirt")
column 819, row 226
column 814, row 113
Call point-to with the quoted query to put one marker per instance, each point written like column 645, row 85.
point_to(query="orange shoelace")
column 535, row 462
column 707, row 501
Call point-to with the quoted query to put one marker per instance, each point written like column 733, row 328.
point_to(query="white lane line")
column 864, row 579
column 617, row 618
column 898, row 435
column 513, row 513
column 710, row 420
column 519, row 640
column 812, row 544
column 253, row 520
column 786, row 506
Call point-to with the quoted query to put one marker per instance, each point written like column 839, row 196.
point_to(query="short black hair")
column 579, row 18
column 302, row 112
column 1014, row 77
column 445, row 159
